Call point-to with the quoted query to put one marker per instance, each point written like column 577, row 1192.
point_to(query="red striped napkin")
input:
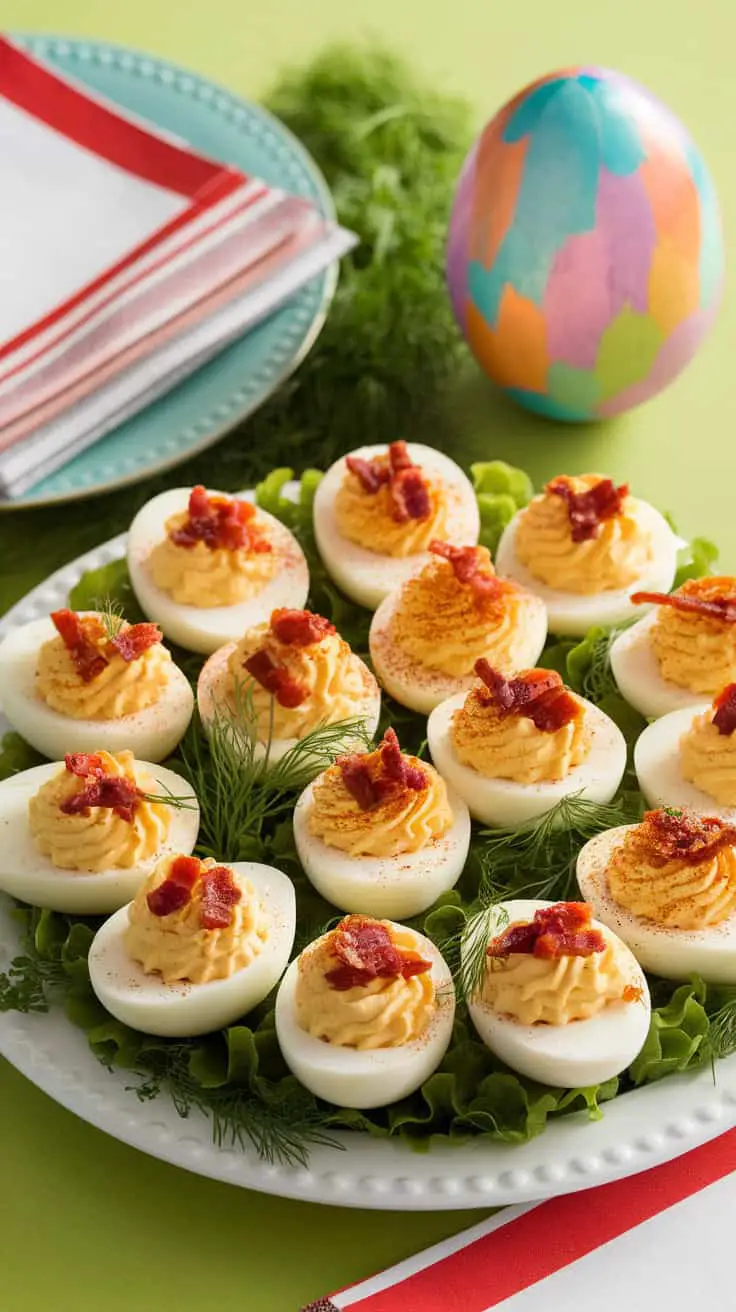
column 659, row 1239
column 127, row 260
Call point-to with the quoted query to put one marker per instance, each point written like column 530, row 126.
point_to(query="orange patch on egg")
column 515, row 352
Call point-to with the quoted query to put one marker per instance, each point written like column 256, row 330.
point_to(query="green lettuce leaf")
column 500, row 491
column 677, row 1039
column 16, row 755
column 110, row 584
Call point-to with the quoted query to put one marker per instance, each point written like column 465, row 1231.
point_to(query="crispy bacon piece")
column 396, row 768
column 176, row 889
column 220, row 894
column 714, row 598
column 84, row 764
column 408, row 487
column 219, row 522
column 287, row 690
column 87, row 659
column 120, row 795
column 466, row 566
column 587, row 510
column 562, row 930
column 356, row 777
column 674, row 834
column 725, row 710
column 369, row 788
column 366, row 952
column 410, row 496
column 370, row 474
column 299, row 628
column 131, row 643
column 399, row 458
column 538, row 695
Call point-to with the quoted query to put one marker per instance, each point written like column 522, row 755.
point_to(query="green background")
column 87, row 1223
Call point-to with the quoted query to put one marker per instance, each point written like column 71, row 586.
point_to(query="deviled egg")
column 584, row 545
column 284, row 679
column 683, row 651
column 364, row 1015
column 76, row 682
column 667, row 886
column 562, row 1000
column 377, row 510
column 200, row 945
column 513, row 748
column 427, row 635
column 381, row 833
column 81, row 835
column 688, row 758
column 206, row 566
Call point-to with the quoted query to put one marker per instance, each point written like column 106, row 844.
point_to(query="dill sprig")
column 177, row 801
column 243, row 792
column 721, row 1039
column 538, row 859
column 29, row 982
column 111, row 615
column 588, row 665
column 282, row 1125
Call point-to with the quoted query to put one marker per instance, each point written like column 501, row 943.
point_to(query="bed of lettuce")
column 238, row 1077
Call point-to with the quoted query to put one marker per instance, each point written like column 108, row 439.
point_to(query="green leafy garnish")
column 695, row 559
column 107, row 589
column 244, row 795
column 678, row 1036
column 390, row 150
column 16, row 755
column 501, row 490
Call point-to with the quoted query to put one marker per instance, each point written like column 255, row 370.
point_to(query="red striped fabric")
column 486, row 1271
column 100, row 129
column 104, row 131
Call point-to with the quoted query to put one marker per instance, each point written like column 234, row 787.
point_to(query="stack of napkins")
column 126, row 261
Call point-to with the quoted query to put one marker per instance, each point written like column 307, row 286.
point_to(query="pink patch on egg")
column 577, row 300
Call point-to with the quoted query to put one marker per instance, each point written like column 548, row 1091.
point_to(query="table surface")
column 89, row 1223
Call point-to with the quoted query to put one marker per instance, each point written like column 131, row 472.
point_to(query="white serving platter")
column 638, row 1130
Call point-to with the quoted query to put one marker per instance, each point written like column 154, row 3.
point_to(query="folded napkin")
column 659, row 1239
column 128, row 260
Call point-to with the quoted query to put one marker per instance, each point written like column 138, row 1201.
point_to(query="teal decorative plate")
column 200, row 410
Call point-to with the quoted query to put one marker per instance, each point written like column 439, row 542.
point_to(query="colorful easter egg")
column 585, row 253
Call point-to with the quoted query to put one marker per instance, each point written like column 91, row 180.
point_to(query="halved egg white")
column 26, row 874
column 366, row 576
column 420, row 688
column 636, row 670
column 578, row 1054
column 672, row 953
column 212, row 694
column 383, row 887
column 151, row 734
column 503, row 802
column 204, row 629
column 574, row 613
column 181, row 1010
column 659, row 770
column 353, row 1077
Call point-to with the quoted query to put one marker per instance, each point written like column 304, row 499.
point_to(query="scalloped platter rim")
column 639, row 1130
